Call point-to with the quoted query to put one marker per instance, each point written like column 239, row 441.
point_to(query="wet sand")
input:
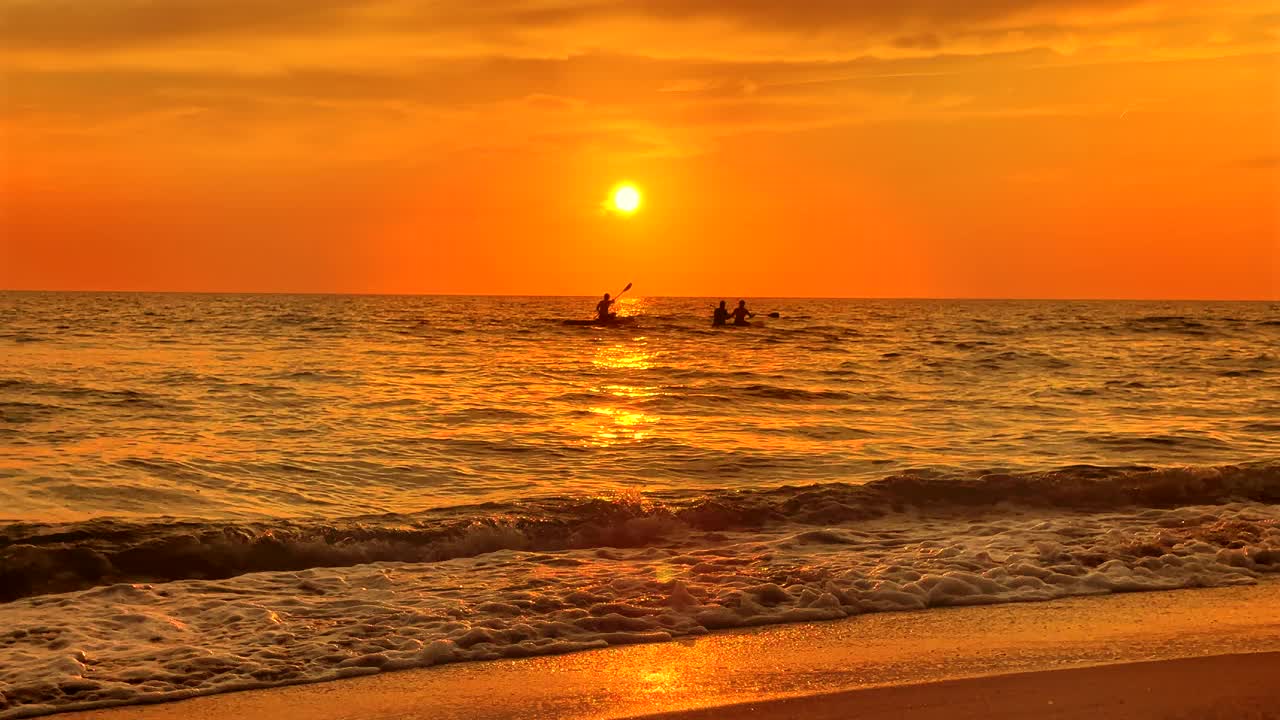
column 1186, row 654
column 1221, row 686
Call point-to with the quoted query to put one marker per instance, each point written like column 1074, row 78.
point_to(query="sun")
column 626, row 198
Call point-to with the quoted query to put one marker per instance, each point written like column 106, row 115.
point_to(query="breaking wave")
column 42, row 558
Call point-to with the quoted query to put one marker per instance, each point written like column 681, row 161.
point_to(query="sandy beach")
column 1187, row 654
column 1243, row 687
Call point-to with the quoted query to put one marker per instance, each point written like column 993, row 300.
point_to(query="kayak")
column 628, row 320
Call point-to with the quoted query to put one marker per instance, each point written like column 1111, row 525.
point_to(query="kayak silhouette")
column 604, row 316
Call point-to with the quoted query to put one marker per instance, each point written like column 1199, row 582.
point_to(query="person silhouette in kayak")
column 602, row 309
column 741, row 313
column 720, row 316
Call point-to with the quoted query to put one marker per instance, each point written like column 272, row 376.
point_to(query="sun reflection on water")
column 662, row 680
column 614, row 422
column 629, row 391
column 625, row 356
column 621, row 426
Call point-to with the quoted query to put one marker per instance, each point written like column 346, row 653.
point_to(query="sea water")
column 209, row 492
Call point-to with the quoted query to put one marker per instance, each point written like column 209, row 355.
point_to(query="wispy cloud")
column 524, row 27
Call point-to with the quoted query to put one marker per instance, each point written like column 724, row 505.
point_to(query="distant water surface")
column 243, row 406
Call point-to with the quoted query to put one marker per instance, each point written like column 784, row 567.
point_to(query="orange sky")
column 921, row 148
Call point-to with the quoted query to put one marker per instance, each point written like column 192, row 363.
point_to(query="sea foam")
column 128, row 643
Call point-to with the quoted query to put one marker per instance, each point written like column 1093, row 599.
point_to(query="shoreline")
column 825, row 665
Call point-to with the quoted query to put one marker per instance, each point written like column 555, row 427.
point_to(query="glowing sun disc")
column 626, row 199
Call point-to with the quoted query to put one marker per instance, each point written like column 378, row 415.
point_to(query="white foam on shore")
column 135, row 643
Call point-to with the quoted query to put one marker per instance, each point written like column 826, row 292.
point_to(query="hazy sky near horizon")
column 925, row 148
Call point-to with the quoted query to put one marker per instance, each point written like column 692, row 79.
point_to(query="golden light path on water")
column 616, row 425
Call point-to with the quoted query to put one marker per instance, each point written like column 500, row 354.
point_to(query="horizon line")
column 672, row 297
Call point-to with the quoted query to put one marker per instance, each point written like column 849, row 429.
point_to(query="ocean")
column 201, row 493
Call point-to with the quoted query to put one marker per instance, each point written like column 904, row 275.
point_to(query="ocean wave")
column 717, row 393
column 23, row 337
column 39, row 558
column 121, row 397
column 480, row 414
column 780, row 392
column 1252, row 372
column 1197, row 441
column 1177, row 324
column 327, row 374
column 131, row 643
column 1022, row 358
column 26, row 412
